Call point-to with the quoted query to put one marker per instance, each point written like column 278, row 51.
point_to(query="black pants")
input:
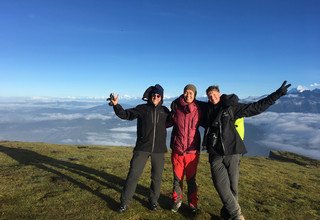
column 137, row 165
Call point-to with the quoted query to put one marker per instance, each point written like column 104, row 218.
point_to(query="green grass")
column 47, row 181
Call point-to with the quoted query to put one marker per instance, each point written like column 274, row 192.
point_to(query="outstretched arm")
column 255, row 108
column 128, row 114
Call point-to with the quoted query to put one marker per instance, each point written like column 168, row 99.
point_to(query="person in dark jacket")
column 224, row 144
column 185, row 145
column 151, row 142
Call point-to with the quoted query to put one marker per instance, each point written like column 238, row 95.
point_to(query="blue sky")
column 90, row 48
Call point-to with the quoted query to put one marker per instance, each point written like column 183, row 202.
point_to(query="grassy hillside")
column 46, row 181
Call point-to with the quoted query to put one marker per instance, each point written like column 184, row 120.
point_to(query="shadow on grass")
column 49, row 164
column 185, row 211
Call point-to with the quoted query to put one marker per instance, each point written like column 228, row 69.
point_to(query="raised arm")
column 128, row 114
column 255, row 108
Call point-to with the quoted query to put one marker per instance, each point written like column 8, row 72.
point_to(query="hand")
column 113, row 99
column 283, row 88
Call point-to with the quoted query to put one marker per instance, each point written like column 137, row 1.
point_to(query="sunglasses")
column 156, row 95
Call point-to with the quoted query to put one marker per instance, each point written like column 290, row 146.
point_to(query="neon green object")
column 239, row 123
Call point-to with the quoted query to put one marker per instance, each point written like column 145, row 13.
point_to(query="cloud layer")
column 295, row 132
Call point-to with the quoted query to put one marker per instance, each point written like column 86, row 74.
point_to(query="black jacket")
column 151, row 126
column 220, row 120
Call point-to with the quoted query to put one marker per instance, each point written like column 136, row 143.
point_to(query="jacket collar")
column 187, row 107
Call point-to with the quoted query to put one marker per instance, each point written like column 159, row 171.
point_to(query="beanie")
column 156, row 89
column 192, row 88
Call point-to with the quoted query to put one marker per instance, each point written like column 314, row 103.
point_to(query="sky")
column 89, row 48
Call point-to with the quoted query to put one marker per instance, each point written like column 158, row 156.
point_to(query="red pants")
column 185, row 164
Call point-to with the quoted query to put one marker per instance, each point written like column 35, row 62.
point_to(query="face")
column 156, row 98
column 214, row 96
column 188, row 96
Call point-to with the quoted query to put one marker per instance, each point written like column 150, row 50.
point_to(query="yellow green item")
column 239, row 124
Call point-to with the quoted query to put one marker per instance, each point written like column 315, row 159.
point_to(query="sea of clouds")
column 295, row 132
column 59, row 122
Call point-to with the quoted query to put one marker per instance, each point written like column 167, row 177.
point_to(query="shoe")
column 193, row 208
column 224, row 214
column 122, row 208
column 153, row 206
column 176, row 206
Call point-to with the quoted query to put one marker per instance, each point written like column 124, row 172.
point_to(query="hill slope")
column 46, row 181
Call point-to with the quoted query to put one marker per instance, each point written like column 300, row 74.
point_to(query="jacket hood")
column 156, row 89
column 229, row 100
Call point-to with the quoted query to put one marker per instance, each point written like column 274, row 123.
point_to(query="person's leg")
column 220, row 178
column 157, row 165
column 192, row 161
column 233, row 164
column 178, row 174
column 137, row 165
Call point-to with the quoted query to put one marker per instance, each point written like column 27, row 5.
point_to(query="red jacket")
column 185, row 137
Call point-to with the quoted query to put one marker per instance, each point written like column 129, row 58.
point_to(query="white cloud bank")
column 295, row 132
column 53, row 117
column 125, row 129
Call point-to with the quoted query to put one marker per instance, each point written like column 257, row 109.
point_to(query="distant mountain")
column 306, row 101
column 297, row 100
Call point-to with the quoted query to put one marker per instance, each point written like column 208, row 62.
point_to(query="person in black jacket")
column 151, row 142
column 224, row 144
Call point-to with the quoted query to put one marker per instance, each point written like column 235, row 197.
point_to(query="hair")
column 214, row 87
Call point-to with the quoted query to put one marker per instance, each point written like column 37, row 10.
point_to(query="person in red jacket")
column 185, row 145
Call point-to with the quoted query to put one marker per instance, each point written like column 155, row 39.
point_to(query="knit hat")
column 156, row 89
column 192, row 88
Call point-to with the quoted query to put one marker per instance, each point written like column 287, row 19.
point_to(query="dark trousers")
column 225, row 177
column 137, row 165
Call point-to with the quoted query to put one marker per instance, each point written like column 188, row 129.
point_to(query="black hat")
column 156, row 89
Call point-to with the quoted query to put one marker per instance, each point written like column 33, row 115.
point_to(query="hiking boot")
column 153, row 206
column 224, row 214
column 176, row 206
column 193, row 208
column 122, row 208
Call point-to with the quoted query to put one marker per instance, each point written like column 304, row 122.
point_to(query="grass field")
column 47, row 181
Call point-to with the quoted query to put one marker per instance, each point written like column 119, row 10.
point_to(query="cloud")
column 53, row 117
column 302, row 88
column 61, row 116
column 317, row 85
column 125, row 129
column 296, row 132
column 113, row 139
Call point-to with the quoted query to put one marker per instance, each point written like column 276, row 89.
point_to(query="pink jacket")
column 185, row 137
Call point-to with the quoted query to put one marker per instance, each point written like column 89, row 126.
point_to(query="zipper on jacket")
column 221, row 135
column 154, row 128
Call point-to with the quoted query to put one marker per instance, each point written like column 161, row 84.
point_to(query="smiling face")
column 155, row 99
column 214, row 96
column 188, row 96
